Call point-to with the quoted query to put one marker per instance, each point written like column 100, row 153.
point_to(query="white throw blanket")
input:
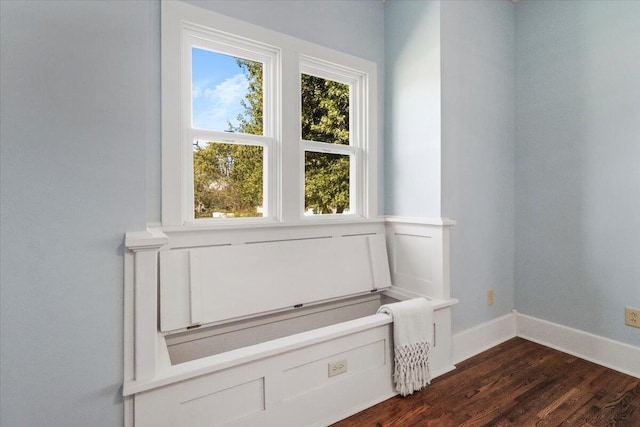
column 412, row 328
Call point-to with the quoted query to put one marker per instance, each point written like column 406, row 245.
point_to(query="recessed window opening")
column 259, row 128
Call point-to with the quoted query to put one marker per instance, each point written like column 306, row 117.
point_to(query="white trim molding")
column 482, row 337
column 603, row 351
column 140, row 308
column 612, row 354
column 443, row 222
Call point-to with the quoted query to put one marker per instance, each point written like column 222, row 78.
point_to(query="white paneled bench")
column 272, row 327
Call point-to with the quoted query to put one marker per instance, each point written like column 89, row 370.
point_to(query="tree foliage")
column 325, row 118
column 228, row 177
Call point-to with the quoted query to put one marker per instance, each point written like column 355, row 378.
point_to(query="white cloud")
column 198, row 87
column 217, row 106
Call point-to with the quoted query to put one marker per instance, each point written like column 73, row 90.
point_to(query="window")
column 226, row 131
column 261, row 127
column 227, row 120
column 331, row 136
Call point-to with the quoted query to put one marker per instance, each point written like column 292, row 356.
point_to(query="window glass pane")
column 325, row 110
column 326, row 183
column 227, row 180
column 226, row 92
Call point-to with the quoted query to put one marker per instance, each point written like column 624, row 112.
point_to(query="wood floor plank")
column 545, row 408
column 518, row 384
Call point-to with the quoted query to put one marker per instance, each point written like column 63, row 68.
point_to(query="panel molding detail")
column 419, row 255
column 230, row 282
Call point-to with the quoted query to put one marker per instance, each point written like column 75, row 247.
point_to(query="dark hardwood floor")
column 518, row 383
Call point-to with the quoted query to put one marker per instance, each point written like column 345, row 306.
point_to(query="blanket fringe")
column 411, row 372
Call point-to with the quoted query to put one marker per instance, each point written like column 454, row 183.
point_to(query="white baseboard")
column 612, row 354
column 482, row 337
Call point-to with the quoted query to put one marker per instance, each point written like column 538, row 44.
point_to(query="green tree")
column 251, row 120
column 325, row 118
column 228, row 177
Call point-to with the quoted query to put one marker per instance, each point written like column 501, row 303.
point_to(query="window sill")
column 325, row 221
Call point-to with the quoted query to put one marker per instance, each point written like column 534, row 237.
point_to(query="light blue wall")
column 478, row 154
column 80, row 135
column 548, row 197
column 449, row 138
column 354, row 27
column 412, row 110
column 578, row 164
column 74, row 130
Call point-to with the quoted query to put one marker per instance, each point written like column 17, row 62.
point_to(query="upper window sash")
column 215, row 41
column 356, row 82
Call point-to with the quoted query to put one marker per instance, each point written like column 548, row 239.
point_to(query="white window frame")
column 356, row 148
column 284, row 59
column 269, row 57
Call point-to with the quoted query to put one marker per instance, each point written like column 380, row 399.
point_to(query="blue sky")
column 218, row 86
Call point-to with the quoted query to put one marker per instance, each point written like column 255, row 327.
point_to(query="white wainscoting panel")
column 406, row 263
column 221, row 407
column 419, row 256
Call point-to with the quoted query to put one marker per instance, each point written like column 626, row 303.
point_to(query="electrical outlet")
column 338, row 367
column 490, row 297
column 632, row 317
